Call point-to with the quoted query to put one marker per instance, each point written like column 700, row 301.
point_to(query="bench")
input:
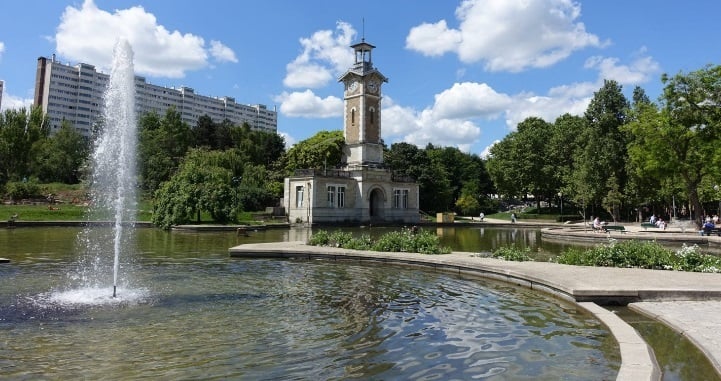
column 708, row 232
column 646, row 225
column 608, row 228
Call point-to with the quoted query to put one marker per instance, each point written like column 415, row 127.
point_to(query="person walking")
column 513, row 217
column 482, row 216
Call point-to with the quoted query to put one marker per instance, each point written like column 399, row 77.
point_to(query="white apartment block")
column 75, row 93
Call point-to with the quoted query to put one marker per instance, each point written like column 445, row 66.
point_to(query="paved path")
column 679, row 299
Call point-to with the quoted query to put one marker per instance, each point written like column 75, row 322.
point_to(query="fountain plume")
column 113, row 182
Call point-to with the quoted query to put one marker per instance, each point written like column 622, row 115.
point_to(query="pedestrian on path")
column 513, row 217
column 482, row 216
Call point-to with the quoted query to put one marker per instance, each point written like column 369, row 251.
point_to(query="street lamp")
column 718, row 211
column 560, row 195
column 236, row 183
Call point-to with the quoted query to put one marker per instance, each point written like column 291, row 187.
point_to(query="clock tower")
column 362, row 190
column 362, row 110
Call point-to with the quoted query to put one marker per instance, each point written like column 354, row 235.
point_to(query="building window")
column 336, row 196
column 400, row 198
column 352, row 116
column 372, row 116
column 299, row 190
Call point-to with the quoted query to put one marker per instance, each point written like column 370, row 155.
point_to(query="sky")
column 461, row 73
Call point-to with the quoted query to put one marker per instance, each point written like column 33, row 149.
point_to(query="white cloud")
column 88, row 34
column 437, row 125
column 469, row 99
column 639, row 71
column 326, row 54
column 289, row 140
column 10, row 101
column 2, row 50
column 487, row 151
column 507, row 35
column 433, row 39
column 221, row 52
column 458, row 114
column 307, row 104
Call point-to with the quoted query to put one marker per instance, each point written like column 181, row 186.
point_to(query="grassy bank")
column 59, row 212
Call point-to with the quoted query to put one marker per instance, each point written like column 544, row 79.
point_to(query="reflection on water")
column 205, row 315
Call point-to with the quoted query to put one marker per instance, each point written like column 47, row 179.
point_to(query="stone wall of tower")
column 353, row 121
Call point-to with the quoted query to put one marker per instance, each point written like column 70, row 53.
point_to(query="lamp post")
column 236, row 183
column 560, row 195
column 718, row 211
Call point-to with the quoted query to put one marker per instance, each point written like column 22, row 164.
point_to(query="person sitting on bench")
column 708, row 226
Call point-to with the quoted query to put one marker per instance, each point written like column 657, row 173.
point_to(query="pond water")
column 189, row 311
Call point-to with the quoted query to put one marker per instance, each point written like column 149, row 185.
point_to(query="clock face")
column 373, row 86
column 353, row 86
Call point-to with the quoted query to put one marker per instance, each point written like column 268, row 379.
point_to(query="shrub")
column 339, row 238
column 410, row 241
column 512, row 253
column 362, row 243
column 648, row 255
column 321, row 238
column 18, row 190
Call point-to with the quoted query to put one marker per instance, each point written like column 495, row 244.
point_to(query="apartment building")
column 75, row 93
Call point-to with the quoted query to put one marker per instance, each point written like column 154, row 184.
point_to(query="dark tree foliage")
column 200, row 185
column 60, row 157
column 163, row 144
column 605, row 155
column 322, row 150
column 19, row 131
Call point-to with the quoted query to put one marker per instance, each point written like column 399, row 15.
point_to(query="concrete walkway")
column 679, row 299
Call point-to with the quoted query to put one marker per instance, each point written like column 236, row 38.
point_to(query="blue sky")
column 461, row 73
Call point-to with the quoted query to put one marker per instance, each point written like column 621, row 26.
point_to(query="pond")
column 190, row 311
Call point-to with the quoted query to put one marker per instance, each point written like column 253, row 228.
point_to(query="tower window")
column 352, row 116
column 372, row 116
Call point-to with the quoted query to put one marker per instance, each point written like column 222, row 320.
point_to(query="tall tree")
column 163, row 144
column 321, row 151
column 60, row 157
column 605, row 153
column 681, row 140
column 434, row 187
column 200, row 185
column 19, row 130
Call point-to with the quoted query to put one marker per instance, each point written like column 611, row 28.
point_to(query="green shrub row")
column 512, row 253
column 406, row 240
column 646, row 255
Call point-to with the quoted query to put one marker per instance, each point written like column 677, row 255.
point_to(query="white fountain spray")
column 114, row 181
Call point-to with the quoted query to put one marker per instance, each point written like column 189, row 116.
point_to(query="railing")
column 346, row 173
column 322, row 172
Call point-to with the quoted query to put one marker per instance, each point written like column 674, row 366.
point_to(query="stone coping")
column 586, row 286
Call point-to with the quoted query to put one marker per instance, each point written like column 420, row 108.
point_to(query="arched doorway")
column 376, row 200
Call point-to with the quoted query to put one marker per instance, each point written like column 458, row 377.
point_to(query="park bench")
column 708, row 232
column 608, row 228
column 646, row 225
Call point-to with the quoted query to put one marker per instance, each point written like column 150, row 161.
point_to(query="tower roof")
column 363, row 65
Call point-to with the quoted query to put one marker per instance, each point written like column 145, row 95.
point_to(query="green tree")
column 19, row 130
column 199, row 186
column 680, row 141
column 434, row 187
column 163, row 142
column 604, row 155
column 564, row 148
column 60, row 157
column 322, row 150
column 520, row 164
column 465, row 171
